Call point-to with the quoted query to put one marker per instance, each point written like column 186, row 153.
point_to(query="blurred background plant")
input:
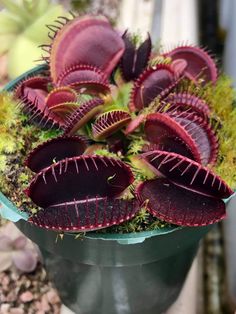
column 22, row 30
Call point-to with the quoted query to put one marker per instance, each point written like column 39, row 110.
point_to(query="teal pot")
column 136, row 273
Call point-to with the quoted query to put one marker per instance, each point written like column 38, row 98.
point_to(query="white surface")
column 230, row 46
column 136, row 15
column 187, row 301
column 224, row 13
column 230, row 249
column 179, row 22
column 65, row 310
column 175, row 21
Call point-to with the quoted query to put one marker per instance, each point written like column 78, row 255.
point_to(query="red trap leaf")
column 109, row 123
column 179, row 206
column 187, row 173
column 199, row 63
column 82, row 115
column 169, row 135
column 86, row 215
column 91, row 44
column 55, row 150
column 80, row 178
column 59, row 96
column 33, row 92
column 154, row 82
column 134, row 60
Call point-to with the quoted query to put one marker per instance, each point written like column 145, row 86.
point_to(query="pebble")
column 26, row 297
column 4, row 308
column 5, row 281
column 43, row 305
column 44, row 302
column 17, row 310
column 11, row 297
column 53, row 297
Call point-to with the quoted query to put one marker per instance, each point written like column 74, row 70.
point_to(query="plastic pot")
column 138, row 273
column 111, row 275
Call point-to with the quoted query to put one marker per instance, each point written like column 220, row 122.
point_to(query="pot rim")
column 13, row 214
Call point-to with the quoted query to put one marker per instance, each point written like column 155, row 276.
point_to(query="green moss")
column 105, row 152
column 159, row 60
column 221, row 99
column 140, row 169
column 120, row 96
column 143, row 221
column 136, row 145
column 3, row 163
column 9, row 118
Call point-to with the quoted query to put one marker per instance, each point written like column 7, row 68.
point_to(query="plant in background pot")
column 114, row 161
column 20, row 21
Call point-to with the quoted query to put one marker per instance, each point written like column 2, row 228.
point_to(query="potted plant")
column 112, row 164
column 19, row 23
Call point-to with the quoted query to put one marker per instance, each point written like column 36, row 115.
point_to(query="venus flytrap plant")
column 129, row 141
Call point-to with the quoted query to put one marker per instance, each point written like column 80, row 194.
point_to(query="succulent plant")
column 17, row 251
column 113, row 157
column 20, row 21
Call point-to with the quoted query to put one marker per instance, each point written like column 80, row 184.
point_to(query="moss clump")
column 9, row 119
column 221, row 98
column 143, row 221
column 17, row 139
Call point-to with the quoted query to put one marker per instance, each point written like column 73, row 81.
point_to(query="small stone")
column 38, row 306
column 4, row 308
column 16, row 310
column 11, row 297
column 53, row 297
column 15, row 276
column 5, row 281
column 27, row 284
column 26, row 297
column 44, row 302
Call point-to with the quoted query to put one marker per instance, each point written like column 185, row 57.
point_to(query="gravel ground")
column 29, row 293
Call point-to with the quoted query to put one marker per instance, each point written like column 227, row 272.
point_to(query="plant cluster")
column 138, row 132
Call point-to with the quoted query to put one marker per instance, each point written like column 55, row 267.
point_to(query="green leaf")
column 6, row 43
column 42, row 6
column 16, row 8
column 9, row 24
column 22, row 56
column 37, row 32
